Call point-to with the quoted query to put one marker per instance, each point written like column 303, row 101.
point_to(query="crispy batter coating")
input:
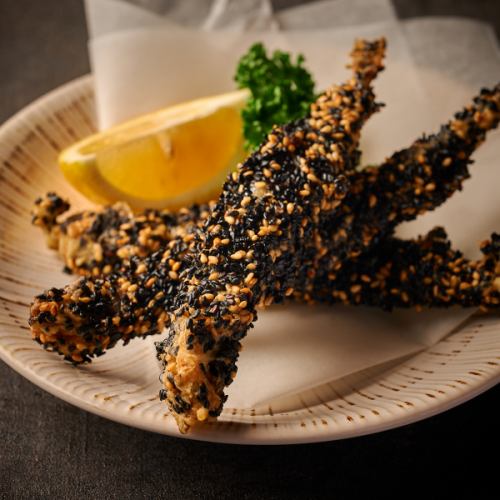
column 274, row 241
column 260, row 239
column 414, row 180
column 90, row 315
column 87, row 251
column 296, row 221
column 44, row 215
column 97, row 242
column 425, row 272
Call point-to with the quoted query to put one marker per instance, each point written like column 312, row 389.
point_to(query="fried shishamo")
column 97, row 242
column 262, row 238
column 296, row 222
column 45, row 317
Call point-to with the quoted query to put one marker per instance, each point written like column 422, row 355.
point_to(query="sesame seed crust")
column 91, row 315
column 98, row 242
column 296, row 221
column 212, row 316
column 202, row 346
column 424, row 272
column 417, row 179
column 45, row 212
column 412, row 181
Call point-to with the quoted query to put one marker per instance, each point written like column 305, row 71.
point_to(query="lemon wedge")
column 166, row 159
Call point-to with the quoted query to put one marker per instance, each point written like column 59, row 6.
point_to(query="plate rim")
column 287, row 437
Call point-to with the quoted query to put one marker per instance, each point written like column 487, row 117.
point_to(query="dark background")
column 49, row 449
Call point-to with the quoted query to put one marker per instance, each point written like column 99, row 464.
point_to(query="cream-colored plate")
column 123, row 385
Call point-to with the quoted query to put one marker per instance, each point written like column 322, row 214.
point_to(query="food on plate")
column 262, row 238
column 96, row 242
column 89, row 316
column 44, row 314
column 169, row 158
column 296, row 222
column 175, row 156
column 424, row 272
column 411, row 181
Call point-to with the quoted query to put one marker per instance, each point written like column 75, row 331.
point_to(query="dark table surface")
column 49, row 449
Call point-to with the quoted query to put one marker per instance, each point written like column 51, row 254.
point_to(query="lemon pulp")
column 169, row 158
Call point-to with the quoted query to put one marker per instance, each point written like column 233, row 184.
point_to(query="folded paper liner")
column 143, row 60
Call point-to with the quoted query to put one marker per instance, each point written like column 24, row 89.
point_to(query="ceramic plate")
column 123, row 385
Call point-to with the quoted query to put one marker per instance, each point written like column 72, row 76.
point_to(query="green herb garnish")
column 281, row 91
